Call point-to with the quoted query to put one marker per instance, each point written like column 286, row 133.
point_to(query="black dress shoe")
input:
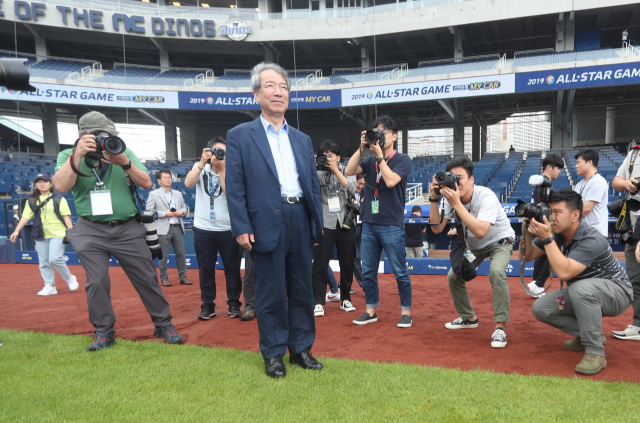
column 275, row 367
column 305, row 360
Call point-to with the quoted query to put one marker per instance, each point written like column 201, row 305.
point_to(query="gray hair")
column 261, row 67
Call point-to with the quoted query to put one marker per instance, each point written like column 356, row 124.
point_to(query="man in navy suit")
column 277, row 226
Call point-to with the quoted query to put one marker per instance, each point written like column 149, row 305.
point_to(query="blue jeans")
column 391, row 239
column 51, row 256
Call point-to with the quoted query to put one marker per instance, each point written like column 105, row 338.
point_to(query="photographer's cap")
column 43, row 176
column 96, row 121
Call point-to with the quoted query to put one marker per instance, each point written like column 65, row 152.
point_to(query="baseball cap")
column 42, row 176
column 15, row 207
column 96, row 121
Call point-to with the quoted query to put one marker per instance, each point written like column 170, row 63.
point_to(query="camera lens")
column 113, row 145
column 441, row 177
column 371, row 136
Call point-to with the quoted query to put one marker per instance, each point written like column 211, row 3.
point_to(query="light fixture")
column 204, row 5
column 146, row 1
column 175, row 3
column 257, row 10
column 350, row 42
column 233, row 6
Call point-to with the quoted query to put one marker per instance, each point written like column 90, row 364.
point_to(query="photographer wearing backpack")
column 51, row 214
column 107, row 225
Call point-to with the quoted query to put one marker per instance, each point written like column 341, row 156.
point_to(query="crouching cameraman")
column 336, row 189
column 597, row 285
column 107, row 226
column 487, row 232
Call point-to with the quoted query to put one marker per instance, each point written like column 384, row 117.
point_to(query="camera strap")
column 134, row 192
column 461, row 231
column 379, row 176
column 209, row 188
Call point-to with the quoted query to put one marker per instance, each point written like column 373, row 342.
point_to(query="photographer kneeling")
column 107, row 226
column 339, row 215
column 488, row 233
column 597, row 285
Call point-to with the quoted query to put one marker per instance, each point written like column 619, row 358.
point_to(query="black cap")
column 42, row 176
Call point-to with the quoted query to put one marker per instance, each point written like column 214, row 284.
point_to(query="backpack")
column 37, row 232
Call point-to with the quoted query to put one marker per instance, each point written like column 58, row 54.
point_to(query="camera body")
column 321, row 162
column 106, row 142
column 375, row 135
column 447, row 179
column 218, row 153
column 537, row 212
column 350, row 218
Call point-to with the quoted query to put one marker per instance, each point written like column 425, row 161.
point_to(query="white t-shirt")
column 625, row 34
column 484, row 206
column 202, row 213
column 596, row 189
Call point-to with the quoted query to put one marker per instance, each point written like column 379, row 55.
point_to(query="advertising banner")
column 436, row 266
column 573, row 78
column 105, row 97
column 431, row 90
column 246, row 101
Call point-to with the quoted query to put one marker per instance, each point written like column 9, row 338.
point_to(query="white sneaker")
column 536, row 290
column 73, row 283
column 48, row 290
column 499, row 339
column 331, row 297
column 630, row 332
column 318, row 311
column 347, row 306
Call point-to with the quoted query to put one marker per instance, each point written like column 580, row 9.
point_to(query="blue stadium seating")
column 550, row 58
column 55, row 69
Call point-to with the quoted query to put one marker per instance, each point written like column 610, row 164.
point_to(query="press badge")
column 374, row 207
column 334, row 204
column 469, row 256
column 561, row 303
column 101, row 203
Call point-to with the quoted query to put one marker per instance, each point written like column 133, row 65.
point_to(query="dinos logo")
column 236, row 29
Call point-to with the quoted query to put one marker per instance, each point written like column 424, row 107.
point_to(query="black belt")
column 174, row 224
column 505, row 240
column 110, row 222
column 293, row 200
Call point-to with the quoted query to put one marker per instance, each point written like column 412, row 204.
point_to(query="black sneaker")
column 352, row 291
column 405, row 321
column 365, row 319
column 208, row 311
column 234, row 311
column 102, row 341
column 169, row 334
column 461, row 323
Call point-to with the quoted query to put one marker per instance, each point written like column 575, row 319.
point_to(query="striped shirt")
column 590, row 248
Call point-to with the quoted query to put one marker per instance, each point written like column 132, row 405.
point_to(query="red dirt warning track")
column 533, row 348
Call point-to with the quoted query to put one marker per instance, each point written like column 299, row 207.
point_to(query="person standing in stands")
column 625, row 37
column 52, row 219
column 212, row 231
column 551, row 166
column 594, row 191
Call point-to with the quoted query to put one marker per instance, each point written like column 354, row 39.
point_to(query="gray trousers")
column 249, row 282
column 633, row 270
column 499, row 256
column 413, row 252
column 95, row 243
column 175, row 237
column 586, row 302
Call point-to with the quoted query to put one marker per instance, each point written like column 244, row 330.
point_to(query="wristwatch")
column 548, row 240
column 379, row 159
column 434, row 200
column 127, row 166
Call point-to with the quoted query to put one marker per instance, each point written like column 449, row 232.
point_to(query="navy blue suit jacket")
column 253, row 188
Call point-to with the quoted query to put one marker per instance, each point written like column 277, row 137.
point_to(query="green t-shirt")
column 114, row 180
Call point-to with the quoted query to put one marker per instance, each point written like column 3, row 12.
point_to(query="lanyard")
column 209, row 188
column 99, row 184
column 327, row 183
column 380, row 172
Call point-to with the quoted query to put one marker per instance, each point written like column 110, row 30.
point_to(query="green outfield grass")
column 50, row 378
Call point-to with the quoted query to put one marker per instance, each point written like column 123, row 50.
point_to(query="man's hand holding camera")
column 631, row 185
column 540, row 230
column 206, row 156
column 117, row 159
column 86, row 145
column 453, row 197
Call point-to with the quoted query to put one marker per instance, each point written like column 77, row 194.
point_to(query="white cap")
column 16, row 207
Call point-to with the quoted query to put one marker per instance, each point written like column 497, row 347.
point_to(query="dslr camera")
column 375, row 135
column 321, row 162
column 218, row 153
column 350, row 218
column 104, row 142
column 446, row 179
column 523, row 209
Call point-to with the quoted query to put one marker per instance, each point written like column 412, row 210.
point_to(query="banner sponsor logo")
column 585, row 77
column 90, row 96
column 246, row 101
column 431, row 90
